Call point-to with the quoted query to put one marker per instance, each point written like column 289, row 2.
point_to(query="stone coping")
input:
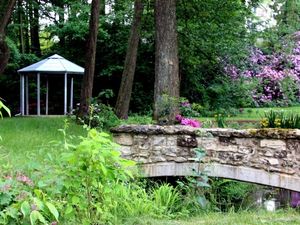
column 274, row 133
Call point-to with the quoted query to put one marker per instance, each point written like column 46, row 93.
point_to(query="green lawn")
column 29, row 139
column 261, row 217
column 258, row 113
column 25, row 139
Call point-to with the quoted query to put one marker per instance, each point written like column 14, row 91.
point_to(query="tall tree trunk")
column 34, row 28
column 123, row 100
column 90, row 58
column 6, row 8
column 167, row 84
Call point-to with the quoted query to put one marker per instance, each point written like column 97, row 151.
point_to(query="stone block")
column 207, row 143
column 124, row 139
column 142, row 141
column 157, row 159
column 227, row 148
column 180, row 159
column 159, row 141
column 272, row 161
column 125, row 151
column 187, row 141
column 273, row 143
column 172, row 141
column 246, row 150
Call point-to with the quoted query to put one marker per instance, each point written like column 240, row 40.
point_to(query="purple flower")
column 187, row 121
column 178, row 118
column 185, row 104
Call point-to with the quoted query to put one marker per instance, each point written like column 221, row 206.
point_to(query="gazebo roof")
column 54, row 64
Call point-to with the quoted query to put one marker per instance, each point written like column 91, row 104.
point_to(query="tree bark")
column 90, row 58
column 123, row 100
column 167, row 82
column 6, row 8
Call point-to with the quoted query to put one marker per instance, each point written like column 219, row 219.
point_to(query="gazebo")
column 53, row 65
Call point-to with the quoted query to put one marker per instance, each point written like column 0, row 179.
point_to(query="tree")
column 123, row 100
column 6, row 8
column 90, row 58
column 166, row 60
column 34, row 27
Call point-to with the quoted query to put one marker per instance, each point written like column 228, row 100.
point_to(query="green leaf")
column 25, row 209
column 75, row 200
column 69, row 210
column 53, row 210
column 36, row 215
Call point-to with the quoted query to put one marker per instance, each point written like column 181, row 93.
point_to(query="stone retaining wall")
column 268, row 150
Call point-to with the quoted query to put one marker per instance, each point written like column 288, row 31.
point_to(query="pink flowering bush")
column 277, row 76
column 187, row 121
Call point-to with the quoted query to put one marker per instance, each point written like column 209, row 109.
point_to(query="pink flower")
column 24, row 179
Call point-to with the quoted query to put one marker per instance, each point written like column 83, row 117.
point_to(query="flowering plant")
column 277, row 74
column 20, row 203
column 188, row 121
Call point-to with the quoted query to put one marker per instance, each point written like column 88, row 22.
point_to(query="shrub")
column 90, row 171
column 101, row 116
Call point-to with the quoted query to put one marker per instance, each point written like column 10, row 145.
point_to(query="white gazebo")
column 53, row 65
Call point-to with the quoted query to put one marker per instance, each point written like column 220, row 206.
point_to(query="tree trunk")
column 90, row 58
column 167, row 84
column 123, row 100
column 6, row 8
column 34, row 28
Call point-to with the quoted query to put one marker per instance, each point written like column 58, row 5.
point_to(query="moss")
column 273, row 133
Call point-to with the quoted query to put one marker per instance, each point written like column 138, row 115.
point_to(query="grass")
column 258, row 113
column 26, row 139
column 287, row 217
column 29, row 139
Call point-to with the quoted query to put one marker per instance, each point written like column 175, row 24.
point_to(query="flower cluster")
column 271, row 71
column 187, row 121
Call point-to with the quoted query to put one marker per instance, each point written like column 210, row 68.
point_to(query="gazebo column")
column 27, row 94
column 38, row 94
column 47, row 94
column 71, row 95
column 66, row 94
column 22, row 95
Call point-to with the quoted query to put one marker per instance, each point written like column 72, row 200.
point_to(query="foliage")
column 279, row 119
column 187, row 109
column 101, row 116
column 2, row 106
column 166, row 104
column 166, row 199
column 22, row 203
column 220, row 120
column 89, row 173
column 196, row 187
column 227, row 195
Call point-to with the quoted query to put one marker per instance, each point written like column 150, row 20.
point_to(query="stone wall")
column 269, row 150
